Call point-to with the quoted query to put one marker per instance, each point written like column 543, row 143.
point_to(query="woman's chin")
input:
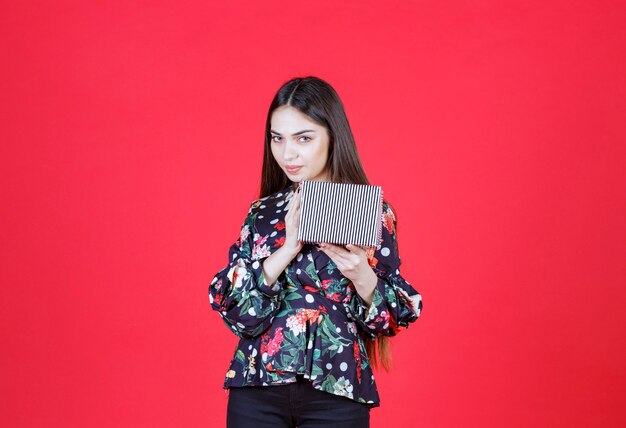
column 296, row 177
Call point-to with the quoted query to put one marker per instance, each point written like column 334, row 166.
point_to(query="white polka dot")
column 255, row 265
column 261, row 372
column 298, row 271
column 279, row 195
column 309, row 298
column 274, row 221
column 234, row 256
column 254, row 352
column 384, row 251
column 343, row 366
column 252, row 312
column 278, row 211
column 334, row 307
column 310, row 345
column 329, row 366
column 340, row 350
column 273, row 234
column 393, row 304
column 280, row 203
column 262, row 206
column 249, row 347
column 299, row 257
column 338, row 329
column 264, row 356
column 260, row 216
column 240, row 325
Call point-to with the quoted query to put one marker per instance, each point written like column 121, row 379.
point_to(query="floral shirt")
column 311, row 321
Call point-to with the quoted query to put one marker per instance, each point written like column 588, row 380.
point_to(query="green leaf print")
column 310, row 270
column 287, row 308
column 331, row 340
column 316, row 354
column 292, row 296
column 316, row 371
column 240, row 357
column 329, row 383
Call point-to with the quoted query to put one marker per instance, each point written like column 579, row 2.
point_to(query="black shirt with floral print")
column 311, row 321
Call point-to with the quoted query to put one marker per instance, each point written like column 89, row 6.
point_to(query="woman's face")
column 299, row 145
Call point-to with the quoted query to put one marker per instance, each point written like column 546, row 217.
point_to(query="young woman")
column 309, row 317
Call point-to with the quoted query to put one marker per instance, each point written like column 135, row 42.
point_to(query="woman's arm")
column 240, row 292
column 275, row 264
column 395, row 303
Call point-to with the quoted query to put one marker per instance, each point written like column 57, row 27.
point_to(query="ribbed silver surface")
column 340, row 213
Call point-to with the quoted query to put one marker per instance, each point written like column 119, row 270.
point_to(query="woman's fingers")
column 335, row 252
column 297, row 198
column 355, row 249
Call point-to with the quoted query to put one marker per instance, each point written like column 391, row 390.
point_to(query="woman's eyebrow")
column 293, row 135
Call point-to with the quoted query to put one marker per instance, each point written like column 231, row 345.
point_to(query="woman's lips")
column 293, row 170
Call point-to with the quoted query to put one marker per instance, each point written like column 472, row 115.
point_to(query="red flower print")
column 274, row 344
column 260, row 239
column 265, row 337
column 280, row 225
column 373, row 261
column 335, row 297
column 357, row 359
column 311, row 289
column 388, row 220
column 326, row 283
column 279, row 242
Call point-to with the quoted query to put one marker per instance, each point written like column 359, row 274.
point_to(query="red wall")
column 131, row 147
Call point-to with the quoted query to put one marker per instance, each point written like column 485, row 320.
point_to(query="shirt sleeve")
column 239, row 291
column 395, row 303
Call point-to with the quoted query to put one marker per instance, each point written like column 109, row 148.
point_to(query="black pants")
column 293, row 405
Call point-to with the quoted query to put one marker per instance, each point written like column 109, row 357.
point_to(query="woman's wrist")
column 366, row 287
column 276, row 263
column 289, row 252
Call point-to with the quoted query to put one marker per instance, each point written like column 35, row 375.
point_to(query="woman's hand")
column 280, row 259
column 353, row 264
column 292, row 225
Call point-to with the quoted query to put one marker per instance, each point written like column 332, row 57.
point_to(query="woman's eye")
column 303, row 138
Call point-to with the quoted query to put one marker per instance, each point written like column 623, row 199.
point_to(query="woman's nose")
column 291, row 151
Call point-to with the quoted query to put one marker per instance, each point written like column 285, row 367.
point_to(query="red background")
column 131, row 148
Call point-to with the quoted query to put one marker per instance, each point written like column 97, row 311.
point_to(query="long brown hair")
column 321, row 103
